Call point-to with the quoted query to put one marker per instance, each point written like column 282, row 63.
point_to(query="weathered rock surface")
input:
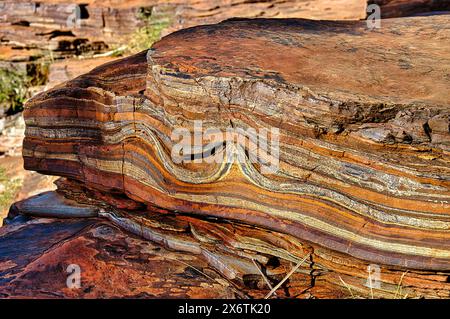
column 139, row 252
column 68, row 28
column 35, row 256
column 364, row 140
column 35, row 34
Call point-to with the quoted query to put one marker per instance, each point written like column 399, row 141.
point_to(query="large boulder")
column 359, row 169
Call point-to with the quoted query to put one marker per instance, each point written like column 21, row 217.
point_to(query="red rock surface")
column 113, row 264
column 174, row 256
column 365, row 141
column 363, row 147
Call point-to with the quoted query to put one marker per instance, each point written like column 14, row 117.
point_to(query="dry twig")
column 286, row 278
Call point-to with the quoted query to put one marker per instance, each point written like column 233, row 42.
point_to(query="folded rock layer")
column 165, row 254
column 363, row 119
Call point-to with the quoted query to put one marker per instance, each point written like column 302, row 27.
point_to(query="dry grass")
column 266, row 280
column 348, row 287
column 293, row 270
column 9, row 188
column 13, row 89
column 397, row 293
column 144, row 37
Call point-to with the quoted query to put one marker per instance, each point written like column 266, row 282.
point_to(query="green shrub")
column 13, row 89
column 14, row 85
column 9, row 192
column 154, row 25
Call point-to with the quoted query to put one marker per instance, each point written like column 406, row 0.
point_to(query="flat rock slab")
column 52, row 204
column 343, row 61
column 35, row 256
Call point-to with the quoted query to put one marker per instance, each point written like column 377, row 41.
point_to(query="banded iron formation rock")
column 364, row 141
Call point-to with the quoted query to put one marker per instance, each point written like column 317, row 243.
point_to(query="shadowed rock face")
column 363, row 119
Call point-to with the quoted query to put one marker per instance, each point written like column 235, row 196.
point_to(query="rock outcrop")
column 80, row 35
column 33, row 34
column 362, row 175
column 126, row 249
column 73, row 28
column 45, row 43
